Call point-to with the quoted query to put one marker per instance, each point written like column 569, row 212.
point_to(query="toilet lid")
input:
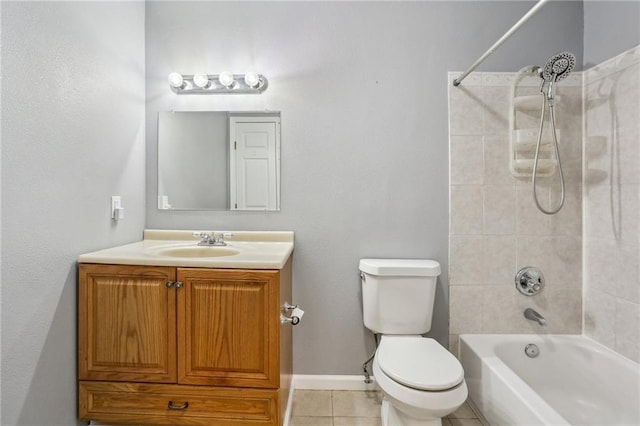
column 419, row 363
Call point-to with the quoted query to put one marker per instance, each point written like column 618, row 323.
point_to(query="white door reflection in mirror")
column 253, row 164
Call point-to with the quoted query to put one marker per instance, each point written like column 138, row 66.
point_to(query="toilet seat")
column 416, row 403
column 419, row 362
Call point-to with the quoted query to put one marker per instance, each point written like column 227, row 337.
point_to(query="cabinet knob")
column 178, row 284
column 178, row 407
column 169, row 284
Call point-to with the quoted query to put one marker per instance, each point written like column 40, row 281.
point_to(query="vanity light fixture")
column 226, row 79
column 176, row 81
column 225, row 82
column 252, row 79
column 201, row 80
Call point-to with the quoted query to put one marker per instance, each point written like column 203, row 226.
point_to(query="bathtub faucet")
column 534, row 316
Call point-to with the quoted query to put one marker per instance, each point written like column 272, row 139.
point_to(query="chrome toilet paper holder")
column 294, row 318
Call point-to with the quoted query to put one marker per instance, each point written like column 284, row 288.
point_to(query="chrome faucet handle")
column 204, row 237
column 223, row 235
column 219, row 240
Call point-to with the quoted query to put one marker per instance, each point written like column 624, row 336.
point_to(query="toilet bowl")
column 421, row 381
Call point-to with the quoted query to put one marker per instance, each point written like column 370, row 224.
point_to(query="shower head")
column 558, row 67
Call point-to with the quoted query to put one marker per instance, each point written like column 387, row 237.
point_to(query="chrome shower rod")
column 502, row 39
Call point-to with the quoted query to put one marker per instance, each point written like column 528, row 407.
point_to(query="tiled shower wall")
column 612, row 203
column 495, row 228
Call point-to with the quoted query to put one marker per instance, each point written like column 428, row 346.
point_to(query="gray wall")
column 362, row 87
column 73, row 135
column 610, row 27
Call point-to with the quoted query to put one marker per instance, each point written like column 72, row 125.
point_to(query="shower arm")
column 502, row 39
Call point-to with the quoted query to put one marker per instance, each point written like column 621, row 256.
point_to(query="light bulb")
column 176, row 81
column 226, row 79
column 252, row 79
column 201, row 80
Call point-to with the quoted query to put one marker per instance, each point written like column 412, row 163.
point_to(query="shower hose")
column 548, row 99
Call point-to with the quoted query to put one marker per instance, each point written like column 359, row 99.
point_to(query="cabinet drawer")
column 127, row 403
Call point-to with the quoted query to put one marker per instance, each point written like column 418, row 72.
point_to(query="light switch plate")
column 116, row 203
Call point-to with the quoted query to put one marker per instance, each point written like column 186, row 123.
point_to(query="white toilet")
column 421, row 380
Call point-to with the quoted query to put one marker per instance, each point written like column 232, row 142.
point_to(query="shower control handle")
column 530, row 281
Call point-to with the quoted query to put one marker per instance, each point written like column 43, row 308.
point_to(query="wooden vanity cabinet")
column 174, row 346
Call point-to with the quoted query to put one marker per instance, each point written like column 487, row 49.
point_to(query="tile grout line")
column 333, row 422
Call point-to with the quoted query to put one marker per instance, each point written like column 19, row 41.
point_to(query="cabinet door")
column 126, row 323
column 228, row 333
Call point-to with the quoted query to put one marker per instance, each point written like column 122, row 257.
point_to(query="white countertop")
column 256, row 250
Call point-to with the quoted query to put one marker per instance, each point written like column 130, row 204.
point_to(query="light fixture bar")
column 250, row 83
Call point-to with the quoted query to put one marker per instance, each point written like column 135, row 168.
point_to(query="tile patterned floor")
column 354, row 408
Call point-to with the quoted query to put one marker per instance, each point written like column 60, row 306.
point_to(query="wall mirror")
column 218, row 160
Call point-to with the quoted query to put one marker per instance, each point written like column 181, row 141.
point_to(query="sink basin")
column 198, row 251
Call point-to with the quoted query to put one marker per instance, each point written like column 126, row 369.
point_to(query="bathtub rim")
column 541, row 338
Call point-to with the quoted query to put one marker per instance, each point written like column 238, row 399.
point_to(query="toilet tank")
column 398, row 294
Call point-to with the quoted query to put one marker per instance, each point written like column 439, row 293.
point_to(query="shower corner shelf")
column 529, row 102
column 522, row 140
column 523, row 168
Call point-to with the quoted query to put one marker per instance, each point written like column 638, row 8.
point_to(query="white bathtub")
column 574, row 381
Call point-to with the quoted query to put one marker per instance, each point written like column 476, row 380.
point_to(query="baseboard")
column 332, row 382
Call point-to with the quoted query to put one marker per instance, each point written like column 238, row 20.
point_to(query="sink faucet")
column 211, row 239
column 534, row 316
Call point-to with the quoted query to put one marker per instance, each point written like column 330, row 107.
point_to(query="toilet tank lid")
column 401, row 267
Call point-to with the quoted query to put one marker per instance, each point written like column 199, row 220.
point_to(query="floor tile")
column 356, row 404
column 357, row 421
column 355, row 408
column 311, row 421
column 311, row 403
